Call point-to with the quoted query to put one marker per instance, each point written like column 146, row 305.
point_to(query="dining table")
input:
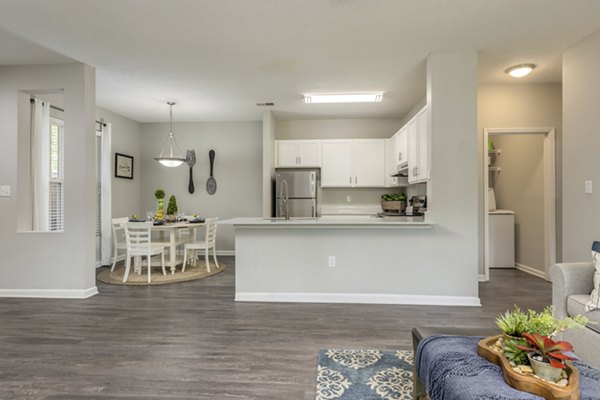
column 175, row 238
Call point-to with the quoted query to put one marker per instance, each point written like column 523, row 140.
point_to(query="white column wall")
column 43, row 264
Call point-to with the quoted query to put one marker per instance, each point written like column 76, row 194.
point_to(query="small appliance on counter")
column 417, row 205
column 296, row 192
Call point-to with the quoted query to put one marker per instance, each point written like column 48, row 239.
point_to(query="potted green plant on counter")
column 395, row 202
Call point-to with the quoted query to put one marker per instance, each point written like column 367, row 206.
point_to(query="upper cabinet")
column 298, row 153
column 353, row 163
column 399, row 147
column 418, row 147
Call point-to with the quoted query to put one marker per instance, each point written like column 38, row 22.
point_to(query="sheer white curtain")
column 40, row 164
column 106, row 203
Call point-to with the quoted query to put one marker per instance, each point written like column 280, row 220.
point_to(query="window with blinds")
column 56, row 206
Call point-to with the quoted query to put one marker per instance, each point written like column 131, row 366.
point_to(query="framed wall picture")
column 123, row 166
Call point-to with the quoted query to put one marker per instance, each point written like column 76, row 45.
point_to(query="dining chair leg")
column 206, row 261
column 184, row 259
column 215, row 257
column 149, row 268
column 162, row 263
column 114, row 263
column 127, row 266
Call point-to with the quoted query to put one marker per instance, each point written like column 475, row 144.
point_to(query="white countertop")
column 327, row 221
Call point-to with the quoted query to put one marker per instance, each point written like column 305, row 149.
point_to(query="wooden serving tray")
column 530, row 383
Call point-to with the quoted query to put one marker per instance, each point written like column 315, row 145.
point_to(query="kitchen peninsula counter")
column 343, row 259
column 331, row 221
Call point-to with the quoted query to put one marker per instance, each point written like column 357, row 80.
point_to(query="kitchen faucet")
column 283, row 200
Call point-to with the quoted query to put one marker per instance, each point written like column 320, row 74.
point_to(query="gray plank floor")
column 192, row 341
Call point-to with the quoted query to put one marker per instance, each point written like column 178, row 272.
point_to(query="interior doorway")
column 492, row 172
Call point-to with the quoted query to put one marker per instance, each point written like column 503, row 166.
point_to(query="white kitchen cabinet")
column 353, row 163
column 418, row 147
column 298, row 153
column 336, row 170
column 369, row 163
column 399, row 146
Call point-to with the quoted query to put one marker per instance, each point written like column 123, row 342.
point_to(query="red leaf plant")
column 551, row 352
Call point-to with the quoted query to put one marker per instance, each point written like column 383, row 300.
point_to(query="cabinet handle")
column 399, row 156
column 355, row 180
column 350, row 180
column 299, row 160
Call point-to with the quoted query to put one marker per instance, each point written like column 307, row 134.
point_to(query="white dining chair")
column 209, row 242
column 139, row 244
column 118, row 234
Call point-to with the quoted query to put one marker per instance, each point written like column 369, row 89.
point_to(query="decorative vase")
column 545, row 370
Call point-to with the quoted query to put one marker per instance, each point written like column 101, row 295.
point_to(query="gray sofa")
column 572, row 284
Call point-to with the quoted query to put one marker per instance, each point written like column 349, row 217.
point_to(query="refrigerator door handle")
column 313, row 183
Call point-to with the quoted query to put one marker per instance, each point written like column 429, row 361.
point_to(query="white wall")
column 452, row 202
column 581, row 148
column 337, row 128
column 43, row 263
column 238, row 171
column 520, row 187
column 125, row 139
column 268, row 162
column 520, row 106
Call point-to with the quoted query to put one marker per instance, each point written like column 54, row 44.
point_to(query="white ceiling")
column 218, row 58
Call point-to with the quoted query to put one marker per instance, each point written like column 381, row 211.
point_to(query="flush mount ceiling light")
column 343, row 98
column 521, row 70
column 170, row 155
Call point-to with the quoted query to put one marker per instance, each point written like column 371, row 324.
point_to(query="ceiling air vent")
column 268, row 104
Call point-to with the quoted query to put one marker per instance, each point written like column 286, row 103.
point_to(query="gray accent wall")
column 581, row 148
column 238, row 171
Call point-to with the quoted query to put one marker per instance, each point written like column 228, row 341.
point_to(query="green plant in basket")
column 512, row 323
column 393, row 197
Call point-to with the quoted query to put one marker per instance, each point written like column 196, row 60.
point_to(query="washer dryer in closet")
column 502, row 239
column 502, row 234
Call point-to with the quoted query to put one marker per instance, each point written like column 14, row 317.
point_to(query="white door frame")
column 549, row 192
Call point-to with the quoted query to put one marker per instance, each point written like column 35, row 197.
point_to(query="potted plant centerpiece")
column 528, row 346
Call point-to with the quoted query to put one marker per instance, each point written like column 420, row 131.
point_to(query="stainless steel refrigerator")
column 296, row 192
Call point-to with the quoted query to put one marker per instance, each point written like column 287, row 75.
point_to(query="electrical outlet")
column 5, row 191
column 348, row 199
column 588, row 187
column 331, row 261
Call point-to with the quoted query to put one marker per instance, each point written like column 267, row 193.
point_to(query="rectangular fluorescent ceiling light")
column 343, row 98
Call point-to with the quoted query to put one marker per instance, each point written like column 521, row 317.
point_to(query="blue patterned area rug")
column 364, row 375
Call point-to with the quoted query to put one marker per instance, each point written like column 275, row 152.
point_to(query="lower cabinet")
column 353, row 163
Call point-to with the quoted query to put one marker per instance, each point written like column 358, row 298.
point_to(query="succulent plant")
column 512, row 323
column 550, row 351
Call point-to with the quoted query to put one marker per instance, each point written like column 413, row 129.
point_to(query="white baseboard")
column 359, row 298
column 226, row 252
column 50, row 293
column 481, row 278
column 530, row 270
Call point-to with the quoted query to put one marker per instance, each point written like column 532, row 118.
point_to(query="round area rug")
column 191, row 273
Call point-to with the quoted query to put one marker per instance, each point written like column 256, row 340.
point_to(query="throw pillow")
column 594, row 302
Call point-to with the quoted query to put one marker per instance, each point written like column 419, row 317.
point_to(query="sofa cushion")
column 576, row 305
column 594, row 300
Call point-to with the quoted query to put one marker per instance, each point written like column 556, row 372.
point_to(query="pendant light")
column 170, row 155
